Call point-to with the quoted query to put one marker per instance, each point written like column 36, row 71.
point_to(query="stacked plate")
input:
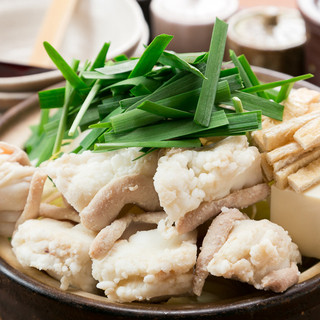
column 94, row 22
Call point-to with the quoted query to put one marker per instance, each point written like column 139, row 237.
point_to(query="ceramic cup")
column 270, row 37
column 310, row 11
column 189, row 21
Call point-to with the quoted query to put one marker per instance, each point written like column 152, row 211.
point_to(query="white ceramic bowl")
column 93, row 22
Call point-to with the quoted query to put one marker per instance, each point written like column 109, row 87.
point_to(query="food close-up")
column 164, row 184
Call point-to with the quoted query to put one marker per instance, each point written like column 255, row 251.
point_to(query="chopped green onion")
column 234, row 81
column 84, row 107
column 275, row 84
column 121, row 67
column 190, row 57
column 251, row 75
column 69, row 92
column 164, row 111
column 181, row 83
column 160, row 100
column 90, row 117
column 89, row 140
column 108, row 105
column 101, row 57
column 44, row 118
column 121, row 57
column 148, row 83
column 128, row 102
column 54, row 98
column 151, row 55
column 209, row 85
column 110, row 77
column 239, row 124
column 284, row 92
column 244, row 76
column 133, row 119
column 229, row 72
column 175, row 61
column 42, row 150
column 268, row 107
column 167, row 129
column 68, row 73
column 101, row 125
column 140, row 90
column 188, row 143
column 237, row 104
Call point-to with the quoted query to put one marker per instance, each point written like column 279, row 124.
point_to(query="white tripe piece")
column 185, row 179
column 14, row 188
column 4, row 157
column 14, row 185
column 15, row 178
column 149, row 264
column 80, row 176
column 252, row 251
column 57, row 247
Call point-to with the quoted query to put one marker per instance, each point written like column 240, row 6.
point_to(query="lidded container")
column 270, row 37
column 189, row 21
column 310, row 11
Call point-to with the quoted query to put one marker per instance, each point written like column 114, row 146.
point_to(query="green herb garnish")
column 212, row 73
column 160, row 100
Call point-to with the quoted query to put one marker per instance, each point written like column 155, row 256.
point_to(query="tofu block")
column 299, row 214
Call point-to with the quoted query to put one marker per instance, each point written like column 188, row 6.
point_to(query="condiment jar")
column 270, row 37
column 189, row 21
column 310, row 11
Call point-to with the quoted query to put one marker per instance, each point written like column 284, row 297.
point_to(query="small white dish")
column 93, row 22
column 30, row 83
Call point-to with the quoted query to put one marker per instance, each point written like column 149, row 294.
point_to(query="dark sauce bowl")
column 17, row 70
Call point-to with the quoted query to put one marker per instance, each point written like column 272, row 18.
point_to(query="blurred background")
column 278, row 35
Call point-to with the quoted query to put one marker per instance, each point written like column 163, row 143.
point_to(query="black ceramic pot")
column 29, row 294
column 22, row 297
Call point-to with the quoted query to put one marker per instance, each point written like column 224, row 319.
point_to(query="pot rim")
column 251, row 302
